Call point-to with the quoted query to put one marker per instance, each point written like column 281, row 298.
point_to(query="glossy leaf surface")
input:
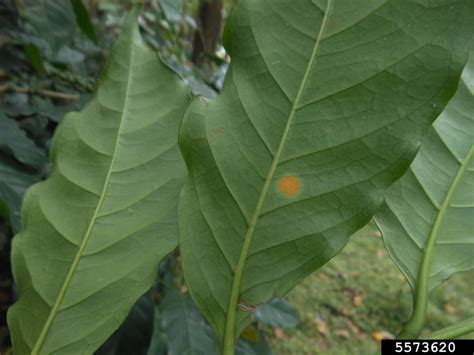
column 323, row 108
column 94, row 232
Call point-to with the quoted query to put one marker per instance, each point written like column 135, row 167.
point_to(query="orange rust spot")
column 289, row 185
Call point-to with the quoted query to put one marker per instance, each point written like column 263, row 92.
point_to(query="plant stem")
column 453, row 331
column 417, row 320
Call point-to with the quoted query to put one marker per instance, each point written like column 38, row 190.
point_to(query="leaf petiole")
column 454, row 331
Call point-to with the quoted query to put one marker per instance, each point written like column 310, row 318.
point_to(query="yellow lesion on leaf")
column 289, row 185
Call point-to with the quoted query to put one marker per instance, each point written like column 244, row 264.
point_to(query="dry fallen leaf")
column 354, row 328
column 184, row 289
column 382, row 334
column 342, row 332
column 346, row 310
column 448, row 307
column 280, row 333
column 321, row 325
column 357, row 300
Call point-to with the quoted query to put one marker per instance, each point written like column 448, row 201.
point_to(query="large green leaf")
column 323, row 107
column 427, row 219
column 94, row 232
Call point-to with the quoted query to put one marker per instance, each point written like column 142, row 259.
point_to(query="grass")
column 360, row 297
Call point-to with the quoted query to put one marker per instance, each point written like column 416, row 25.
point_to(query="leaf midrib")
column 67, row 281
column 232, row 307
column 433, row 236
column 422, row 291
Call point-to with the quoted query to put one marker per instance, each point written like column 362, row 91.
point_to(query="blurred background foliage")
column 51, row 54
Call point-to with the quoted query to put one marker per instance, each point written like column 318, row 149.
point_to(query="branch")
column 42, row 92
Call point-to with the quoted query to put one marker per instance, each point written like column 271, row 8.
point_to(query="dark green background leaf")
column 14, row 139
column 53, row 20
column 83, row 20
column 186, row 329
column 278, row 313
column 171, row 8
column 135, row 333
column 13, row 184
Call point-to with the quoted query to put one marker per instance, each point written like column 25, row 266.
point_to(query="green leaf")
column 13, row 184
column 15, row 140
column 322, row 109
column 158, row 339
column 34, row 56
column 83, row 20
column 259, row 347
column 426, row 221
column 461, row 328
column 187, row 332
column 52, row 20
column 171, row 9
column 95, row 231
column 186, row 329
column 134, row 334
column 277, row 313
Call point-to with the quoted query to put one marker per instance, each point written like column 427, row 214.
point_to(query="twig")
column 42, row 92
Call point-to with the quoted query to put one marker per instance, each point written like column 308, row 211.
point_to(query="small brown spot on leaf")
column 289, row 185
